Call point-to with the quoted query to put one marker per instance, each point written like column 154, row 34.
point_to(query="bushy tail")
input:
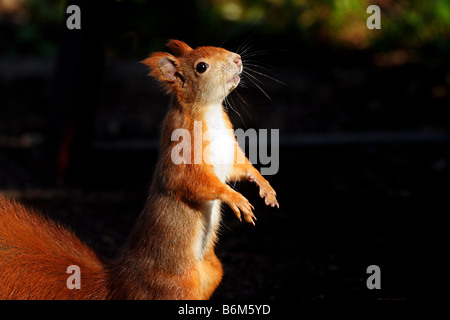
column 35, row 254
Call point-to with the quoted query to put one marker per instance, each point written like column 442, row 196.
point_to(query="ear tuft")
column 179, row 48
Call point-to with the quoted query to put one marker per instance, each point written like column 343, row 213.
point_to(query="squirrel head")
column 204, row 75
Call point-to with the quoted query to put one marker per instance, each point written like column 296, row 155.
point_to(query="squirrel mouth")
column 235, row 79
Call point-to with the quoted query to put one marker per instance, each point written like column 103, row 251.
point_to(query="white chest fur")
column 221, row 143
column 220, row 153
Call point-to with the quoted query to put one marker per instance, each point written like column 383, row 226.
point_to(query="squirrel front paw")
column 239, row 204
column 265, row 189
column 269, row 195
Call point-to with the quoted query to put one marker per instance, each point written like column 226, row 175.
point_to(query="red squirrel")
column 170, row 252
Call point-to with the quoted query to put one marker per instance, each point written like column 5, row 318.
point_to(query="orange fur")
column 170, row 252
column 35, row 254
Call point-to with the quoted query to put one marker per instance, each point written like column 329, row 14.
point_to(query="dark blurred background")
column 363, row 118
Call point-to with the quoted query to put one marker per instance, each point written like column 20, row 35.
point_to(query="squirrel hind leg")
column 211, row 272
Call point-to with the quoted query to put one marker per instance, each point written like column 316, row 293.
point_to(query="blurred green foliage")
column 405, row 23
column 35, row 27
column 31, row 27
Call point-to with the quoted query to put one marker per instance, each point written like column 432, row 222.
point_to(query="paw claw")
column 269, row 194
column 241, row 206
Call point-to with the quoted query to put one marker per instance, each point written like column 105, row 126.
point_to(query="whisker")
column 225, row 105
column 234, row 109
column 253, row 76
column 239, row 48
column 262, row 52
column 246, row 44
column 256, row 84
column 267, row 76
column 245, row 102
column 231, row 106
column 259, row 65
column 222, row 224
column 246, row 49
column 242, row 84
column 223, row 42
column 257, row 53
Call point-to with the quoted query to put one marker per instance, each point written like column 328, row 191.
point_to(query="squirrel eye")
column 201, row 67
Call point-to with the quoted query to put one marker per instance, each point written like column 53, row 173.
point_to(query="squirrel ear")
column 178, row 47
column 163, row 66
column 168, row 68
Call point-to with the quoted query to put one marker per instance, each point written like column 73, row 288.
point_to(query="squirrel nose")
column 238, row 61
